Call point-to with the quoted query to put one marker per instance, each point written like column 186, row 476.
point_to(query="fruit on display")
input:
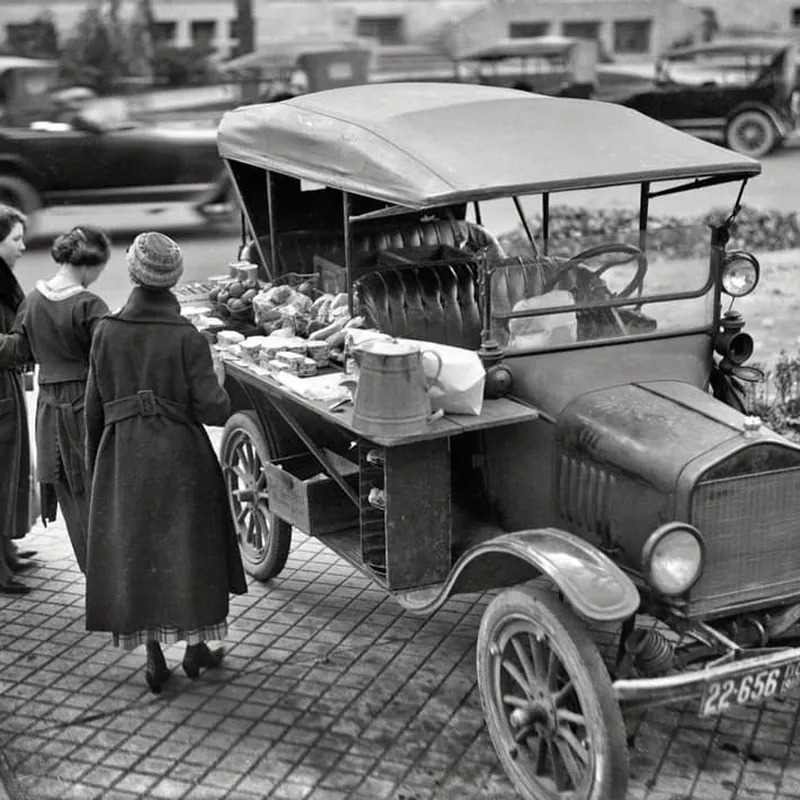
column 286, row 309
column 233, row 299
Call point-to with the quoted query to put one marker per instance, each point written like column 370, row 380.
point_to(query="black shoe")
column 22, row 566
column 27, row 553
column 198, row 657
column 14, row 587
column 156, row 673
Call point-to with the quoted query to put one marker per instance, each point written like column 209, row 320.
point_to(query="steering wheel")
column 629, row 252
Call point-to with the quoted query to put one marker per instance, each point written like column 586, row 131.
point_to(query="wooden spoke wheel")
column 264, row 539
column 548, row 701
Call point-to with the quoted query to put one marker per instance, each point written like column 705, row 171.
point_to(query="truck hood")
column 650, row 431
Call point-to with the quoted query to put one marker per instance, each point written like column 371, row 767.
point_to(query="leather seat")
column 436, row 303
column 296, row 249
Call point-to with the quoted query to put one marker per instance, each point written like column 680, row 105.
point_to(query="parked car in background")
column 94, row 153
column 742, row 92
column 554, row 65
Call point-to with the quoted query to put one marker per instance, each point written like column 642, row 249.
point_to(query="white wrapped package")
column 548, row 330
column 458, row 389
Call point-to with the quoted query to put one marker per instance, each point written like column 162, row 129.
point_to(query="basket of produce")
column 233, row 300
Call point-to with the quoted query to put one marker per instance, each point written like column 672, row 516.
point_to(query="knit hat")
column 154, row 260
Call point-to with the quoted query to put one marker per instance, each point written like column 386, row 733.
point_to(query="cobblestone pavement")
column 329, row 691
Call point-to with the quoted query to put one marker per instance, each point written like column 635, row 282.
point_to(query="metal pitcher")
column 391, row 398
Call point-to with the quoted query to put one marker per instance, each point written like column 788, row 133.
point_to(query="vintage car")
column 554, row 65
column 612, row 479
column 90, row 152
column 743, row 93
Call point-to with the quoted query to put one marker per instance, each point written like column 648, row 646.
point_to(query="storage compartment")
column 301, row 493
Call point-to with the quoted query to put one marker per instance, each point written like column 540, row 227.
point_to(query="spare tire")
column 17, row 192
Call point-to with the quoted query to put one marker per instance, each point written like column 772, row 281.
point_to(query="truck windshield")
column 605, row 288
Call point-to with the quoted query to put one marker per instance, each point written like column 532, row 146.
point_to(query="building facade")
column 626, row 29
column 779, row 16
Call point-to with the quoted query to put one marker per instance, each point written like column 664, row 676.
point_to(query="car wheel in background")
column 752, row 133
column 17, row 192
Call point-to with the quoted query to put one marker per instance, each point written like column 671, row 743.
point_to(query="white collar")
column 58, row 294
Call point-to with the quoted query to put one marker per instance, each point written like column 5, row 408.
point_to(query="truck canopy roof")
column 430, row 144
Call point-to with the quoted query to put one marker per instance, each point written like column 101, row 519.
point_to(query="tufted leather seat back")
column 296, row 249
column 437, row 303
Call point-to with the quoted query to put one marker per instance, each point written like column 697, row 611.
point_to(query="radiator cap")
column 752, row 427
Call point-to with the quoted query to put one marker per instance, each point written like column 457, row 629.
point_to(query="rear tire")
column 19, row 194
column 264, row 539
column 752, row 133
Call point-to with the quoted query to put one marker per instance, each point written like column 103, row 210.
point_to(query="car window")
column 561, row 300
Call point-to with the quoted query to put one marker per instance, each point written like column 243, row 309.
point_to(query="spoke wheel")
column 548, row 701
column 264, row 539
column 752, row 134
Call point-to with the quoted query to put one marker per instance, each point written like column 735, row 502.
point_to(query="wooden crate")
column 302, row 494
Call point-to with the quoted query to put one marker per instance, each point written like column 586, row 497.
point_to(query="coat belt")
column 146, row 403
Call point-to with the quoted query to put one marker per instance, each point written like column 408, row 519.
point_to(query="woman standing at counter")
column 54, row 327
column 15, row 456
column 162, row 551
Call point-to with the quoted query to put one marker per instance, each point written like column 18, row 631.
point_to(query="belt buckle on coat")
column 147, row 403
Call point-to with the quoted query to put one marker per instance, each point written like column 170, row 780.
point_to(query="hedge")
column 573, row 228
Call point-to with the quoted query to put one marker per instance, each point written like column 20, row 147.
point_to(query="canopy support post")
column 348, row 251
column 644, row 213
column 273, row 244
column 546, row 222
column 525, row 225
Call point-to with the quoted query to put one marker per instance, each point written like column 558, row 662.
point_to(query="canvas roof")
column 428, row 144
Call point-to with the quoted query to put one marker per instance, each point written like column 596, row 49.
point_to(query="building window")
column 582, row 30
column 387, row 30
column 203, row 32
column 164, row 32
column 632, row 36
column 796, row 17
column 525, row 30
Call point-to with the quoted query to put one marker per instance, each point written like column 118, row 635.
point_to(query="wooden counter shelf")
column 408, row 543
column 495, row 413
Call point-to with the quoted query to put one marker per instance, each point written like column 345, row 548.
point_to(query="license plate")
column 751, row 687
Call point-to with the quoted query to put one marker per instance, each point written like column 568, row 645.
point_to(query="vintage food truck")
column 607, row 475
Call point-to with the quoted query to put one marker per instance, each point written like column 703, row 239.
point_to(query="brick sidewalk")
column 329, row 691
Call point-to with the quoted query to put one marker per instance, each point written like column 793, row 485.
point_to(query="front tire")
column 264, row 539
column 752, row 133
column 548, row 701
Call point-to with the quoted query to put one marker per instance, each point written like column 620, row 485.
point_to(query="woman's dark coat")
column 162, row 548
column 15, row 454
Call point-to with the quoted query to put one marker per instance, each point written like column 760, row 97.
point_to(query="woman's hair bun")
column 83, row 246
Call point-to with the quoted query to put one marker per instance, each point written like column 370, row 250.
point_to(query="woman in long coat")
column 162, row 552
column 15, row 456
column 54, row 327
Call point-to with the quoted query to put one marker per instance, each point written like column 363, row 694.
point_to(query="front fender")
column 593, row 585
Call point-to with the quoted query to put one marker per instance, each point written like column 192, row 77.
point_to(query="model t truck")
column 611, row 457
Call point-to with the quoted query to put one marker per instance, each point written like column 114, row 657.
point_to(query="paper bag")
column 548, row 330
column 458, row 388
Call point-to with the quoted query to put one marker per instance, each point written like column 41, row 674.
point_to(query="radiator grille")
column 751, row 527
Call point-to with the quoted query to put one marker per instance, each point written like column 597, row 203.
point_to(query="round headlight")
column 740, row 273
column 672, row 558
